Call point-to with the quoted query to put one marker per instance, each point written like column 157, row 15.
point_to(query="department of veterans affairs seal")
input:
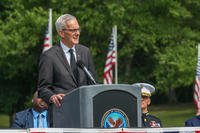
column 115, row 118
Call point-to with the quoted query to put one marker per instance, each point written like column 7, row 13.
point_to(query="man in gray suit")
column 58, row 74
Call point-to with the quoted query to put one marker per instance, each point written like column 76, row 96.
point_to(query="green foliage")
column 20, row 35
column 178, row 63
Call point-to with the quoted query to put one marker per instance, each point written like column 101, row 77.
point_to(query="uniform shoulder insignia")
column 154, row 121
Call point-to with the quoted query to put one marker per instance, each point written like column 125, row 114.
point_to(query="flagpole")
column 50, row 25
column 115, row 44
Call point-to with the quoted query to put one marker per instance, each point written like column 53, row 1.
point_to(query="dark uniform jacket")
column 193, row 122
column 150, row 121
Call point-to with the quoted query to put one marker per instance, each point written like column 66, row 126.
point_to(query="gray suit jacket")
column 24, row 119
column 55, row 74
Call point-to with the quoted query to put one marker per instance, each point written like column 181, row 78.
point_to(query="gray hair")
column 61, row 21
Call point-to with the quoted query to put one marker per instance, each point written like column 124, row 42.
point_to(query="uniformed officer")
column 193, row 122
column 147, row 119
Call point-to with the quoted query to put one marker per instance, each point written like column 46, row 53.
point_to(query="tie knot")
column 40, row 116
column 71, row 50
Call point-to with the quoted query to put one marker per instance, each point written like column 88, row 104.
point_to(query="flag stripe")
column 197, row 84
column 110, row 61
column 48, row 36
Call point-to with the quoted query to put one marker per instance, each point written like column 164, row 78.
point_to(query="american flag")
column 48, row 36
column 197, row 84
column 110, row 60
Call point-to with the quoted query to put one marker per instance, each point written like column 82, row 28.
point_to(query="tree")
column 20, row 47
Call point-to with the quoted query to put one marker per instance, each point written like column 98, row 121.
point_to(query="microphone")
column 82, row 66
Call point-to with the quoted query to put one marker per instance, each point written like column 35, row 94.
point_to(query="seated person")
column 193, row 122
column 35, row 117
column 147, row 119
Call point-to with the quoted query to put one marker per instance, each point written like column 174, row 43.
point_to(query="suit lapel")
column 29, row 119
column 61, row 56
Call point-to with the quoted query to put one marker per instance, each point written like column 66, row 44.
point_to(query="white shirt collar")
column 35, row 113
column 65, row 48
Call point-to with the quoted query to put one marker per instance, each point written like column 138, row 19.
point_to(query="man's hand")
column 56, row 99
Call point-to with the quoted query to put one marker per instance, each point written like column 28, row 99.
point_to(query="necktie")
column 73, row 64
column 40, row 121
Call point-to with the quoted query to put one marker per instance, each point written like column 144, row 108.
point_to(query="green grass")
column 170, row 115
column 4, row 121
column 173, row 115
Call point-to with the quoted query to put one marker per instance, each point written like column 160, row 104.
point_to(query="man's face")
column 145, row 102
column 71, row 34
column 39, row 105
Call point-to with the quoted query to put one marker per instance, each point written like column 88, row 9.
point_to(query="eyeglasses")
column 73, row 30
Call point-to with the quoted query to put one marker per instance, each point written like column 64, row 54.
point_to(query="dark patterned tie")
column 73, row 64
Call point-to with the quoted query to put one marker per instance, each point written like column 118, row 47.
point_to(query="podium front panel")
column 114, row 100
